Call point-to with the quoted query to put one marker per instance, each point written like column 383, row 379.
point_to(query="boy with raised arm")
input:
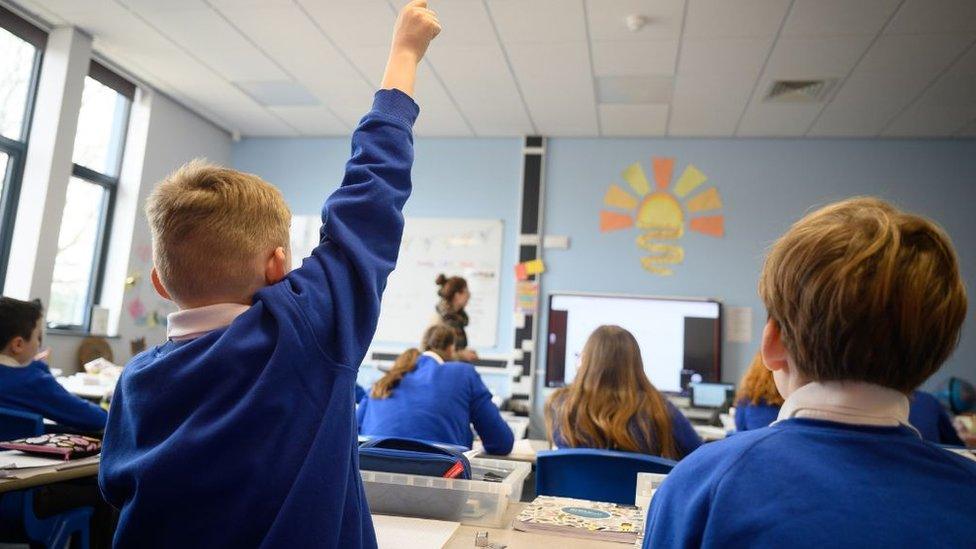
column 240, row 430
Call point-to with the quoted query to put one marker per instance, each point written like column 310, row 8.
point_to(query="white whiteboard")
column 471, row 248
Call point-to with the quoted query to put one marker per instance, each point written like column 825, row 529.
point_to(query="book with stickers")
column 581, row 519
column 66, row 447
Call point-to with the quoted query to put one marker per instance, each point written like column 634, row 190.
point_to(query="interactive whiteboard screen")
column 679, row 338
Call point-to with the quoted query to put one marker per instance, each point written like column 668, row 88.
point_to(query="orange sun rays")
column 661, row 213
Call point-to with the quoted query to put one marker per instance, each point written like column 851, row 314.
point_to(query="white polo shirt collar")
column 854, row 403
column 434, row 356
column 193, row 323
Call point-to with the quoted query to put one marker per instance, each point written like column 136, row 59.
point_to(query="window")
column 85, row 223
column 21, row 45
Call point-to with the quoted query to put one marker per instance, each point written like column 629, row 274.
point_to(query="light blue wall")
column 765, row 186
column 473, row 178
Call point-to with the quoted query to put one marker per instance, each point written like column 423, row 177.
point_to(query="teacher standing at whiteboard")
column 454, row 296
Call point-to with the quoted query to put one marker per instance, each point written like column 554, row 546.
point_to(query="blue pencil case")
column 413, row 457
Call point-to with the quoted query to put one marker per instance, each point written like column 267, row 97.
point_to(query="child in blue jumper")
column 239, row 431
column 26, row 384
column 865, row 303
column 428, row 397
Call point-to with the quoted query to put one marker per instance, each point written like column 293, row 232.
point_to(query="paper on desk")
column 14, row 459
column 412, row 533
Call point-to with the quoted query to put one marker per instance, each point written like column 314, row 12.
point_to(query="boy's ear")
column 773, row 351
column 277, row 266
column 160, row 289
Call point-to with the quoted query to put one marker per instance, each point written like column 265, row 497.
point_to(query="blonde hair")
column 610, row 399
column 438, row 338
column 862, row 291
column 757, row 385
column 209, row 224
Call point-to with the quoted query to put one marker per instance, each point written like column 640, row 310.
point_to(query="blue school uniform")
column 749, row 416
column 438, row 403
column 246, row 436
column 360, row 393
column 930, row 418
column 814, row 483
column 33, row 389
column 685, row 437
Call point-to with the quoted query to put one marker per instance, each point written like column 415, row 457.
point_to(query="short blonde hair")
column 209, row 224
column 862, row 291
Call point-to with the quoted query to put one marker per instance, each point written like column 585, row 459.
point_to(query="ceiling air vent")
column 798, row 91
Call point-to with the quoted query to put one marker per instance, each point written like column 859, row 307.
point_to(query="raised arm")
column 339, row 288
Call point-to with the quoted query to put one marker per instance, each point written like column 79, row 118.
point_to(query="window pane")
column 4, row 161
column 16, row 67
column 101, row 128
column 75, row 262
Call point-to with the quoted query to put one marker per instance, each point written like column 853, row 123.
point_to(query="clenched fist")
column 415, row 27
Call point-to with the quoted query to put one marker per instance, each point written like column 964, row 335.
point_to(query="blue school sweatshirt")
column 33, row 389
column 685, row 437
column 246, row 436
column 749, row 416
column 438, row 403
column 811, row 483
column 928, row 416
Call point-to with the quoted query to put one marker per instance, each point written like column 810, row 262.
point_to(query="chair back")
column 597, row 475
column 16, row 424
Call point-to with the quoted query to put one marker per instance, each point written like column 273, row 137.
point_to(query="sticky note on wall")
column 534, row 267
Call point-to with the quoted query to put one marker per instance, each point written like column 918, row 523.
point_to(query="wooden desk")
column 464, row 537
column 28, row 478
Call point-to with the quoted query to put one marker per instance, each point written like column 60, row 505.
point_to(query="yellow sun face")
column 660, row 214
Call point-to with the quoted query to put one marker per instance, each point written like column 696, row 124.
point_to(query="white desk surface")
column 525, row 449
column 464, row 537
column 412, row 533
column 76, row 385
column 709, row 432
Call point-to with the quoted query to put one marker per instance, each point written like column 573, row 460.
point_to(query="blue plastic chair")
column 597, row 475
column 18, row 523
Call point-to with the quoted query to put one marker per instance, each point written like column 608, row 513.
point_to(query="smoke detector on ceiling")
column 799, row 91
column 636, row 22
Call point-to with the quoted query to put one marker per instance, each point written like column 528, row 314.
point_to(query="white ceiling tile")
column 487, row 97
column 739, row 18
column 713, row 90
column 353, row 22
column 439, row 116
column 934, row 16
column 167, row 5
column 241, row 65
column 763, row 119
column 538, row 20
column 955, row 87
column 464, row 22
column 371, row 60
column 808, row 58
column 931, row 121
column 742, row 56
column 866, row 103
column 607, row 19
column 692, row 121
column 67, row 8
column 968, row 131
column 557, row 85
column 925, row 55
column 633, row 120
column 634, row 58
column 838, row 17
column 311, row 120
column 247, row 3
column 198, row 30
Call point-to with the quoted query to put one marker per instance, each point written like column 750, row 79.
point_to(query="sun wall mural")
column 661, row 214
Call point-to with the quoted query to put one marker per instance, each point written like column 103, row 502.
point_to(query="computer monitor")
column 680, row 338
column 711, row 395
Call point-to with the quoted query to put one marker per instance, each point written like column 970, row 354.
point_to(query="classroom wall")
column 174, row 136
column 764, row 184
column 469, row 178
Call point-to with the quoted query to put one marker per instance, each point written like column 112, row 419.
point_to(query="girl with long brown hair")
column 612, row 405
column 426, row 396
column 757, row 402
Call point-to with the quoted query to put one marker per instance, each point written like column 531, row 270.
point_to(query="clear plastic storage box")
column 476, row 502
